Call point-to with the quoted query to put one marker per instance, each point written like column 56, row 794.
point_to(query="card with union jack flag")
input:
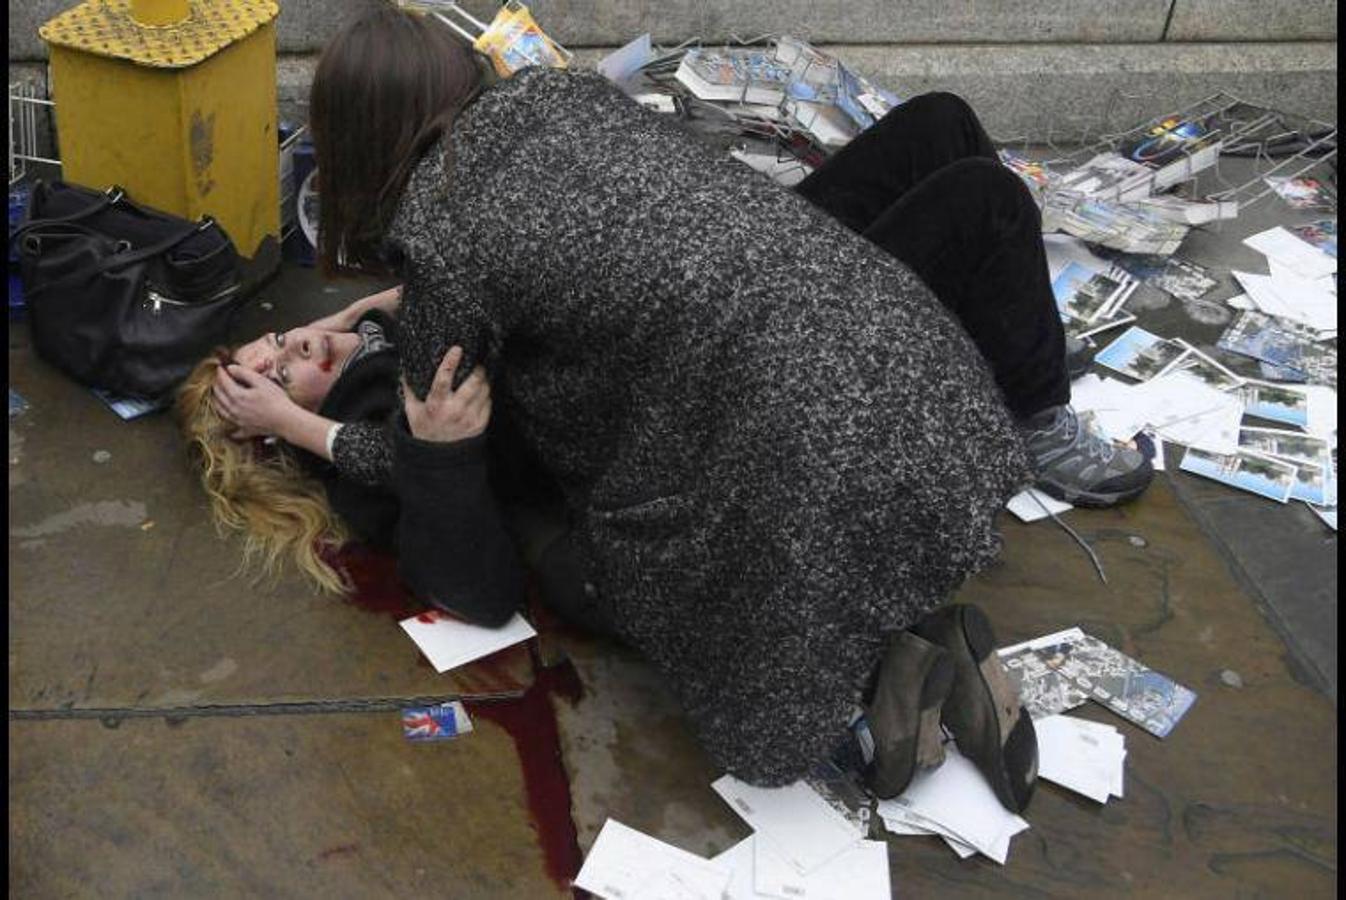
column 435, row 723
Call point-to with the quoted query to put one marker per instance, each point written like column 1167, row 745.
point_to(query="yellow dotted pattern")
column 105, row 28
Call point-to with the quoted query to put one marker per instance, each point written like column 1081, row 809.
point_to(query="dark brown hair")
column 386, row 88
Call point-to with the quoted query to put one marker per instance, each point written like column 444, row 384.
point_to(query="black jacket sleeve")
column 453, row 549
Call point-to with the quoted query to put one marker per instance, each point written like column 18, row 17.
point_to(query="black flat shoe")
column 914, row 680
column 983, row 710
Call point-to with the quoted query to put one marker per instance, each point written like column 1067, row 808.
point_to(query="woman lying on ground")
column 779, row 453
column 291, row 500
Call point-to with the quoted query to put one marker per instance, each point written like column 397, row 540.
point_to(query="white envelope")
column 449, row 643
column 625, row 864
column 799, row 823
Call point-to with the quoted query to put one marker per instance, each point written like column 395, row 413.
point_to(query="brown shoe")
column 914, row 679
column 983, row 709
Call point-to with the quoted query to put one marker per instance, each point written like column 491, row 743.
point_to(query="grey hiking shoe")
column 1076, row 466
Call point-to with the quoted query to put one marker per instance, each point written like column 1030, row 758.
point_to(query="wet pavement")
column 176, row 730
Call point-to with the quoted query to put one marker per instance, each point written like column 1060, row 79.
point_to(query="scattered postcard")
column 1249, row 472
column 1177, row 277
column 1129, row 228
column 1105, row 322
column 435, row 723
column 860, row 873
column 1313, row 487
column 801, row 825
column 1329, row 516
column 625, row 864
column 1292, row 446
column 1302, row 193
column 1286, row 295
column 1084, row 294
column 1202, row 367
column 1321, row 234
column 1139, row 354
column 1304, row 258
column 129, row 408
column 16, row 403
column 1133, row 691
column 956, row 797
column 1190, row 212
column 1272, row 372
column 449, row 642
column 1032, row 172
column 1084, row 756
column 1032, row 505
column 623, row 63
column 1110, row 176
column 1276, row 403
column 1282, row 344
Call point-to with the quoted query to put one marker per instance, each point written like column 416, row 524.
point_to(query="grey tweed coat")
column 776, row 446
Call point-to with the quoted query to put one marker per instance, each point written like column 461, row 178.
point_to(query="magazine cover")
column 1169, row 141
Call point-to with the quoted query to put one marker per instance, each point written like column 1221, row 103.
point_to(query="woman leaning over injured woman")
column 780, row 423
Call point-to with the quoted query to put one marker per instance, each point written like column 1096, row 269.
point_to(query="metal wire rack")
column 25, row 105
column 1279, row 144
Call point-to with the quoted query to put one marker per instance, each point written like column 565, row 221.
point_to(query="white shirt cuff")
column 331, row 437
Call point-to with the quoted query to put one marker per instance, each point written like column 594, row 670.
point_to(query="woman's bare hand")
column 448, row 415
column 253, row 402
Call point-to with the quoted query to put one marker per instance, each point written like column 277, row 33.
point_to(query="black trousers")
column 925, row 184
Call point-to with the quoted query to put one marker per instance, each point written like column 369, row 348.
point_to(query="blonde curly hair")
column 262, row 492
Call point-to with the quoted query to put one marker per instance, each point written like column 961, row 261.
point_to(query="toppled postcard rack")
column 1280, row 145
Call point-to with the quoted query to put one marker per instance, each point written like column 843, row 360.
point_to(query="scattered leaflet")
column 955, row 800
column 1032, row 505
column 1096, row 671
column 860, row 873
column 1300, row 256
column 798, row 823
column 625, row 864
column 449, row 642
column 1084, row 756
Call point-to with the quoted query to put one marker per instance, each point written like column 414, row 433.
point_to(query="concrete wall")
column 1035, row 68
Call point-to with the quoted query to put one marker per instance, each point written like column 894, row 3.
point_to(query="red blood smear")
column 531, row 723
column 374, row 575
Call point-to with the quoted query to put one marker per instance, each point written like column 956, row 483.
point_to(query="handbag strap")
column 120, row 260
column 110, row 198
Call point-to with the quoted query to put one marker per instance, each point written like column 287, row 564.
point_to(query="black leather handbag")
column 120, row 296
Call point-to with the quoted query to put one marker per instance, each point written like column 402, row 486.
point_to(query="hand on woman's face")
column 304, row 361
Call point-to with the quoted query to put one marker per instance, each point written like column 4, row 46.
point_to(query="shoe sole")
column 935, row 688
column 997, row 758
column 1089, row 499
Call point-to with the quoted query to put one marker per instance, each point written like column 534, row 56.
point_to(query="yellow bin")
column 174, row 100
